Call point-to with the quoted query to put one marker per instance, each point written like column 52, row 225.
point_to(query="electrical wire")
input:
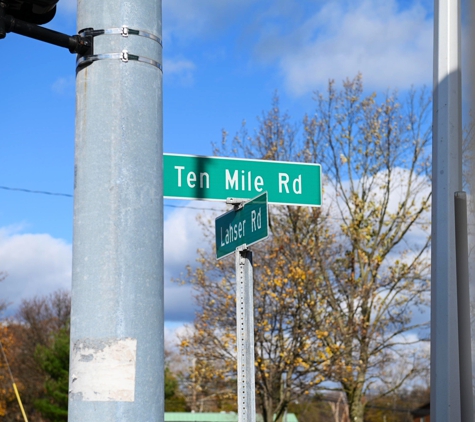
column 36, row 191
column 165, row 205
column 42, row 192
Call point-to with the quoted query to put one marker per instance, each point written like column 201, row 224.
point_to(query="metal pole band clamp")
column 125, row 31
column 123, row 56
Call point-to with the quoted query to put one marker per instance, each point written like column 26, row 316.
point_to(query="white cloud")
column 183, row 236
column 37, row 264
column 179, row 70
column 183, row 19
column 173, row 332
column 68, row 6
column 64, row 86
column 390, row 46
column 309, row 42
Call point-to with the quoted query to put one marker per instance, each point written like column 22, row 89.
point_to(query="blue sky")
column 223, row 60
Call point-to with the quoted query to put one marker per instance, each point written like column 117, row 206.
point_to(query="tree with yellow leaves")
column 282, row 341
column 282, row 275
column 25, row 337
column 335, row 287
column 376, row 274
column 7, row 394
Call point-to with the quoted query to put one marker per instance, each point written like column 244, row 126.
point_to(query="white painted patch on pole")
column 103, row 370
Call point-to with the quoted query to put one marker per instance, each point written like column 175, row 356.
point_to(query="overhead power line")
column 42, row 192
column 37, row 191
column 423, row 223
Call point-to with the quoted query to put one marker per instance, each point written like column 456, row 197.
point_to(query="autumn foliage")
column 339, row 291
column 26, row 338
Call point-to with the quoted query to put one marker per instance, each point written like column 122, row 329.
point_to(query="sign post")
column 215, row 179
column 236, row 230
column 245, row 336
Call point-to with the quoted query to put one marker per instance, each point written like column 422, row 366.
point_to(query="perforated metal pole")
column 245, row 336
column 116, row 370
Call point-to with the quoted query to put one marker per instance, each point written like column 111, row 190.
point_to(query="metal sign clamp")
column 241, row 248
column 237, row 203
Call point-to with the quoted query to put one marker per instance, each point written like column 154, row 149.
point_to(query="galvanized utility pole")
column 116, row 371
column 245, row 336
column 447, row 179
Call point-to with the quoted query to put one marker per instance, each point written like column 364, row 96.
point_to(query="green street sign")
column 244, row 226
column 218, row 178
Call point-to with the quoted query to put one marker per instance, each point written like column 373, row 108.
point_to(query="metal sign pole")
column 245, row 335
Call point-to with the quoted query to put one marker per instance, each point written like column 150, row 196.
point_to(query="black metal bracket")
column 76, row 44
column 81, row 44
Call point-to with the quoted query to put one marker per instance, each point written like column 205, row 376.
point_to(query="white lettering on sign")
column 284, row 180
column 179, row 168
column 191, row 178
column 256, row 220
column 204, row 176
column 258, row 183
column 297, row 185
column 231, row 182
column 238, row 180
column 247, row 181
column 233, row 232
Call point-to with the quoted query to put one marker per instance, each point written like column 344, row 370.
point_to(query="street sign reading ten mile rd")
column 217, row 178
column 245, row 226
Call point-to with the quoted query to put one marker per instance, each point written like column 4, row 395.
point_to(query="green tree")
column 54, row 360
column 397, row 406
column 174, row 400
column 36, row 323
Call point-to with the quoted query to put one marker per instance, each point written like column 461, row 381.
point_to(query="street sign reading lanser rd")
column 218, row 178
column 244, row 226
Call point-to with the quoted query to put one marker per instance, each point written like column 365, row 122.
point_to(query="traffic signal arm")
column 75, row 43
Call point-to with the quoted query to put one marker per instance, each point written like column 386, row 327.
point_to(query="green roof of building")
column 213, row 417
